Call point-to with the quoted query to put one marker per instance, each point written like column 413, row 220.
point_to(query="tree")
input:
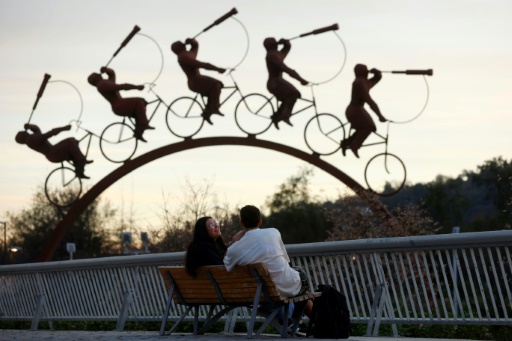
column 31, row 227
column 176, row 228
column 353, row 219
column 475, row 201
column 496, row 176
column 293, row 211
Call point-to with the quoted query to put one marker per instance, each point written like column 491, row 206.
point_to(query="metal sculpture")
column 361, row 122
column 204, row 85
column 133, row 107
column 74, row 211
column 67, row 150
column 255, row 113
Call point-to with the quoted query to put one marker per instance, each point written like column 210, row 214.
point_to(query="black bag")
column 330, row 317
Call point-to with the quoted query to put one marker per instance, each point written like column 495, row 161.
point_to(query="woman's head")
column 206, row 228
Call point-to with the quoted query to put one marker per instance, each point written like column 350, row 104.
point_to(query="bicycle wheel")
column 385, row 174
column 323, row 134
column 183, row 117
column 253, row 114
column 118, row 143
column 62, row 187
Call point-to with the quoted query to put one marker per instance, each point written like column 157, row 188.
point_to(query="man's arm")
column 364, row 90
column 377, row 76
column 32, row 127
column 110, row 73
column 277, row 62
column 56, row 131
column 194, row 46
column 111, row 86
column 194, row 63
column 287, row 46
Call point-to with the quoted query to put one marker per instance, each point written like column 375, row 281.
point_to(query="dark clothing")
column 204, row 253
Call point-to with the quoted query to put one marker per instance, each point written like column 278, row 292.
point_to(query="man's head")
column 250, row 216
column 21, row 137
column 270, row 44
column 94, row 78
column 361, row 70
column 178, row 47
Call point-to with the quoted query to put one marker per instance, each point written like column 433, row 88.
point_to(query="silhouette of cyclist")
column 356, row 114
column 204, row 85
column 65, row 150
column 285, row 92
column 134, row 107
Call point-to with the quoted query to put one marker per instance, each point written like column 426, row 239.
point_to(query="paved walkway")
column 74, row 335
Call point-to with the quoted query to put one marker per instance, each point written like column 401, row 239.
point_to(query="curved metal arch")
column 79, row 206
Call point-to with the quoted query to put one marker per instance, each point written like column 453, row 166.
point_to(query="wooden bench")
column 245, row 286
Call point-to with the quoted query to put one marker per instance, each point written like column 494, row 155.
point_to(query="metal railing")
column 463, row 278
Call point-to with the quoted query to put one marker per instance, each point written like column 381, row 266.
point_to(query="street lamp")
column 4, row 255
column 145, row 240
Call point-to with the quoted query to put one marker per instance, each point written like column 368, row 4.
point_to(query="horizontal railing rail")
column 462, row 278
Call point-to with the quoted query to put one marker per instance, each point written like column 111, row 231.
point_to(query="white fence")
column 463, row 278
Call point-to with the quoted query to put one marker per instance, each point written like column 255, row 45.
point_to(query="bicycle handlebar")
column 218, row 21
column 333, row 27
column 41, row 89
column 428, row 72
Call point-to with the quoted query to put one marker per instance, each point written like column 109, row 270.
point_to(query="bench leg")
column 179, row 321
column 254, row 309
column 268, row 320
column 214, row 319
column 166, row 311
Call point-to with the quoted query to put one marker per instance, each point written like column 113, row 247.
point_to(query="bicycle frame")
column 384, row 141
column 312, row 102
column 235, row 88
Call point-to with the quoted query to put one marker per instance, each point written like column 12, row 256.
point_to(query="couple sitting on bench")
column 253, row 271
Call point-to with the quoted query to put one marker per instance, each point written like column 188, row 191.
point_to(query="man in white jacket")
column 255, row 245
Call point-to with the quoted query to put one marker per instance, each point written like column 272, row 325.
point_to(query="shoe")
column 355, row 152
column 206, row 117
column 218, row 113
column 82, row 176
column 139, row 137
column 88, row 161
column 148, row 127
column 287, row 121
column 275, row 119
column 344, row 146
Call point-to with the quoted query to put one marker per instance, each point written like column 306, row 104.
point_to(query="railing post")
column 123, row 314
column 38, row 312
column 456, row 229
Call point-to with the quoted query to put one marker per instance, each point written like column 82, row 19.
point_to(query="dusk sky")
column 466, row 122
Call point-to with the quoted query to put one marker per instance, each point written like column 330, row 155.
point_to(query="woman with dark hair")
column 207, row 246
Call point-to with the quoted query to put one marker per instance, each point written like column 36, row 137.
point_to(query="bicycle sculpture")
column 362, row 126
column 67, row 150
column 118, row 141
column 256, row 113
column 186, row 115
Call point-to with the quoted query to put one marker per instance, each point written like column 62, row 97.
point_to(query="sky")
column 467, row 119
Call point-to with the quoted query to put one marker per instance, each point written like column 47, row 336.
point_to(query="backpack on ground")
column 330, row 317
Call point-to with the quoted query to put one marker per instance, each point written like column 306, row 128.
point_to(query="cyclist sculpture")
column 134, row 107
column 284, row 91
column 356, row 114
column 206, row 86
column 65, row 150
